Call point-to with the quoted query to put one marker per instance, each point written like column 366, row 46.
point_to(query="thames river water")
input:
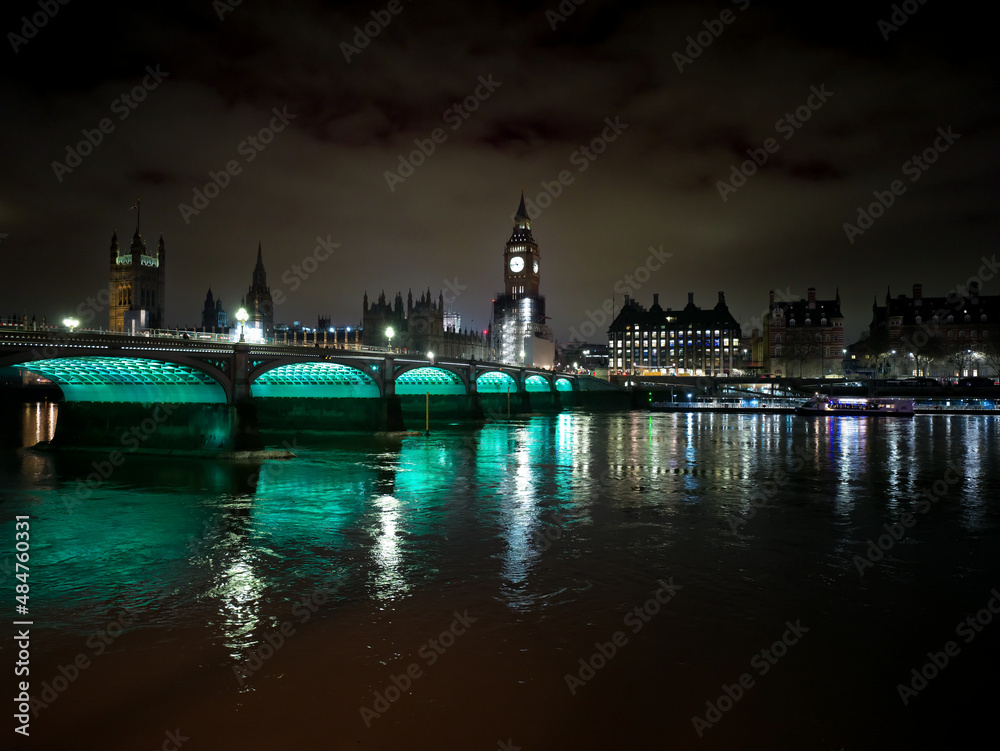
column 574, row 581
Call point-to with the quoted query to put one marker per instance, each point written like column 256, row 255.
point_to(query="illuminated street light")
column 389, row 334
column 242, row 317
column 430, row 356
column 71, row 323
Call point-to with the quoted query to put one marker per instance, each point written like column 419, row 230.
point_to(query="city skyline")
column 741, row 139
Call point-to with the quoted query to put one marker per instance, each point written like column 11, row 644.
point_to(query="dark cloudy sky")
column 323, row 175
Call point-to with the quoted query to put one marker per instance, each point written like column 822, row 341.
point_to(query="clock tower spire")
column 521, row 257
column 521, row 334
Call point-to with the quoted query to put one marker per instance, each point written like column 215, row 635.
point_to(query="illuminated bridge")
column 211, row 394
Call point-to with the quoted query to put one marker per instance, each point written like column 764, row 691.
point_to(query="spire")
column 522, row 213
column 522, row 227
column 259, row 284
column 138, row 215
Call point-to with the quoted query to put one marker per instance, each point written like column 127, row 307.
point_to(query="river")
column 573, row 581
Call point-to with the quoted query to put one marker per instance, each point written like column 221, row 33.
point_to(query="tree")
column 961, row 358
column 925, row 352
column 991, row 356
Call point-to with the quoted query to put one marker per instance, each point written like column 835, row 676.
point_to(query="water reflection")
column 512, row 507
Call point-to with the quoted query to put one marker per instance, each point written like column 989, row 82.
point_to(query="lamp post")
column 242, row 317
column 71, row 324
column 389, row 333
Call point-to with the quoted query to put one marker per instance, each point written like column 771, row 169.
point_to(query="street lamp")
column 389, row 333
column 71, row 324
column 430, row 356
column 242, row 317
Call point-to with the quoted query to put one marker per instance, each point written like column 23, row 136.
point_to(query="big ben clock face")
column 516, row 264
column 534, row 266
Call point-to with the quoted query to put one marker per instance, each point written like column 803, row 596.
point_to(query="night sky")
column 846, row 109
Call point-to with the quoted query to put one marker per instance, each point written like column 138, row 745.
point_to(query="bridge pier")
column 391, row 414
column 244, row 427
column 391, row 408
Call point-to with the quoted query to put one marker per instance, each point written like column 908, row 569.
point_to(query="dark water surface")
column 440, row 592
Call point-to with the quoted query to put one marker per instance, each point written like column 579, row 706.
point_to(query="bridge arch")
column 435, row 379
column 99, row 378
column 565, row 384
column 537, row 383
column 496, row 382
column 328, row 378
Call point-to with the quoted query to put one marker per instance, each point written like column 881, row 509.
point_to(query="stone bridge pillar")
column 556, row 397
column 522, row 391
column 391, row 414
column 243, row 411
column 475, row 406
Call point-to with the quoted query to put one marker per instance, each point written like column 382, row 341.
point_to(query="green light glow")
column 127, row 379
column 564, row 384
column 315, row 380
column 429, row 380
column 495, row 382
column 536, row 383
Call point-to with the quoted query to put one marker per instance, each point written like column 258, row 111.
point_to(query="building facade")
column 419, row 328
column 804, row 339
column 937, row 337
column 690, row 341
column 213, row 315
column 137, row 286
column 258, row 303
column 520, row 333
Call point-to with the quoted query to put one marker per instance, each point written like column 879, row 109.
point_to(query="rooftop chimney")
column 656, row 298
column 722, row 298
column 812, row 294
column 690, row 298
column 918, row 291
column 771, row 302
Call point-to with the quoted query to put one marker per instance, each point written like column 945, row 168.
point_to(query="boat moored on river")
column 871, row 407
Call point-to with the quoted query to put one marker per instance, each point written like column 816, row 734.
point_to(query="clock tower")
column 520, row 273
column 519, row 329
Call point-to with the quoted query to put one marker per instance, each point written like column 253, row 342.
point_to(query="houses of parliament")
column 518, row 333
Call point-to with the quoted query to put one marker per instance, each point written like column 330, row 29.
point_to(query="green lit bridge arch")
column 115, row 368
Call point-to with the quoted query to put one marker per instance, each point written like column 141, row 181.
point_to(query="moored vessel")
column 871, row 407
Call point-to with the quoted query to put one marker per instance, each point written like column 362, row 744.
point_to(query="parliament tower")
column 258, row 303
column 137, row 285
column 521, row 334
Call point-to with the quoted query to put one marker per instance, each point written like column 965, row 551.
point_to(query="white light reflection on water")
column 390, row 582
column 518, row 519
column 239, row 592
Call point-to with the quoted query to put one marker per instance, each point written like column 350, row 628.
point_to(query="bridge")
column 192, row 394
